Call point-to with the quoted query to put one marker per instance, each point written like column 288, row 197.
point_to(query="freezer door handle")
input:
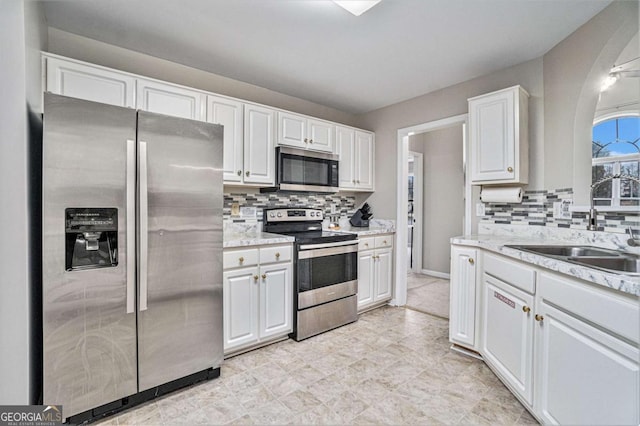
column 142, row 223
column 131, row 225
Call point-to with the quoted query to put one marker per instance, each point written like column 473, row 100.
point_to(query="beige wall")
column 445, row 103
column 573, row 73
column 442, row 195
column 21, row 29
column 85, row 49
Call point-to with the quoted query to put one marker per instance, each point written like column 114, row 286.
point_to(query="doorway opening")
column 414, row 207
column 422, row 282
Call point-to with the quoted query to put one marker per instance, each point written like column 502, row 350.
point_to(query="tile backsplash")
column 343, row 204
column 537, row 209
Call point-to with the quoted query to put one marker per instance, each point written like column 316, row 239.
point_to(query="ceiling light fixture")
column 357, row 7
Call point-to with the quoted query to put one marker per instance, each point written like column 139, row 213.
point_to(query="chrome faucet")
column 593, row 213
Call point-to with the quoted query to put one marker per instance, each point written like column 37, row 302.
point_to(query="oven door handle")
column 329, row 251
column 327, row 245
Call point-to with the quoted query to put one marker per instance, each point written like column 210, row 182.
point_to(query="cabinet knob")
column 357, row 181
column 239, row 172
column 277, row 255
column 264, row 276
column 366, row 244
column 526, row 309
column 241, row 259
column 539, row 317
column 471, row 261
column 510, row 169
column 255, row 278
column 310, row 140
column 354, row 181
column 306, row 140
column 247, row 173
column 384, row 242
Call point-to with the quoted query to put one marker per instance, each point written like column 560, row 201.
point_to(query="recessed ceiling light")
column 357, row 7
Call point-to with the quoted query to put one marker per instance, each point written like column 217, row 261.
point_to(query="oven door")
column 326, row 272
column 300, row 170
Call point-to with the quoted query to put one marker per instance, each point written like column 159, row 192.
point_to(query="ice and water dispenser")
column 91, row 238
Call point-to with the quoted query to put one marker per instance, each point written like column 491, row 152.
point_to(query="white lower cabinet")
column 257, row 299
column 567, row 348
column 375, row 271
column 507, row 334
column 462, row 309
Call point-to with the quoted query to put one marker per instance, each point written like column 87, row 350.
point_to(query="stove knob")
column 279, row 214
column 272, row 214
column 312, row 214
column 319, row 215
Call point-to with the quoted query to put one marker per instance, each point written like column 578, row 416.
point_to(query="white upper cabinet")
column 169, row 99
column 302, row 132
column 92, row 83
column 356, row 150
column 229, row 113
column 498, row 132
column 259, row 149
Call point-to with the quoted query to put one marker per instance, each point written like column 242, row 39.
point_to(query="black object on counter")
column 361, row 217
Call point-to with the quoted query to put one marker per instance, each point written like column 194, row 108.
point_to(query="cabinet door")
column 346, row 148
column 292, row 130
column 383, row 274
column 240, row 307
column 462, row 308
column 507, row 334
column 169, row 99
column 90, row 83
column 228, row 113
column 584, row 376
column 492, row 137
column 276, row 307
column 321, row 134
column 364, row 160
column 366, row 278
column 259, row 150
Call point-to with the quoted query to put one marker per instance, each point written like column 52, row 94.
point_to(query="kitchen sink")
column 627, row 264
column 566, row 251
column 594, row 257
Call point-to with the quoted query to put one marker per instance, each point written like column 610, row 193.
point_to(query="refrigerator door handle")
column 143, row 222
column 131, row 225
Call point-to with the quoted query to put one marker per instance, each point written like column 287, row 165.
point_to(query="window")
column 616, row 150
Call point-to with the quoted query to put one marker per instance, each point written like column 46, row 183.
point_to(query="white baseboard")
column 436, row 274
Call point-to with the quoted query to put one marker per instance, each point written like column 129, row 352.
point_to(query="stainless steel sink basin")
column 566, row 251
column 627, row 264
column 594, row 257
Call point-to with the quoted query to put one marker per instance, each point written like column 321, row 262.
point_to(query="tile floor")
column 428, row 294
column 393, row 366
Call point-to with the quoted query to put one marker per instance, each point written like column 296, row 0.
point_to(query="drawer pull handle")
column 277, row 255
column 510, row 169
column 241, row 259
column 239, row 172
column 264, row 276
column 539, row 317
column 255, row 278
column 526, row 309
column 471, row 261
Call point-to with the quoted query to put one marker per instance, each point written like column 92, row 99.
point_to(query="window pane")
column 629, row 188
column 599, row 172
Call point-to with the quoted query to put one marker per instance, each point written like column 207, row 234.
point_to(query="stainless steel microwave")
column 301, row 170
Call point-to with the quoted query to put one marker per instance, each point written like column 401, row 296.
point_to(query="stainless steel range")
column 326, row 270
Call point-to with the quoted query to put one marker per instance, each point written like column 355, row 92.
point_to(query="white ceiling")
column 315, row 50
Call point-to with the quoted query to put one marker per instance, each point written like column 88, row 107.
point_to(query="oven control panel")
column 293, row 215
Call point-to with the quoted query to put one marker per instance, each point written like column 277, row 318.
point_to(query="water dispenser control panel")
column 91, row 238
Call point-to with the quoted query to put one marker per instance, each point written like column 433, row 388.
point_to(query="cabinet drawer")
column 384, row 241
column 520, row 276
column 605, row 309
column 275, row 254
column 366, row 243
column 238, row 258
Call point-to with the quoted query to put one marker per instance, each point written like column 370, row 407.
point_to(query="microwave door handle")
column 143, row 223
column 131, row 224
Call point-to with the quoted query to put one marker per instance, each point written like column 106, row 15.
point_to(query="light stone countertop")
column 377, row 227
column 496, row 243
column 237, row 238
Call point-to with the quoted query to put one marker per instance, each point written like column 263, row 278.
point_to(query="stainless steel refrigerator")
column 132, row 249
